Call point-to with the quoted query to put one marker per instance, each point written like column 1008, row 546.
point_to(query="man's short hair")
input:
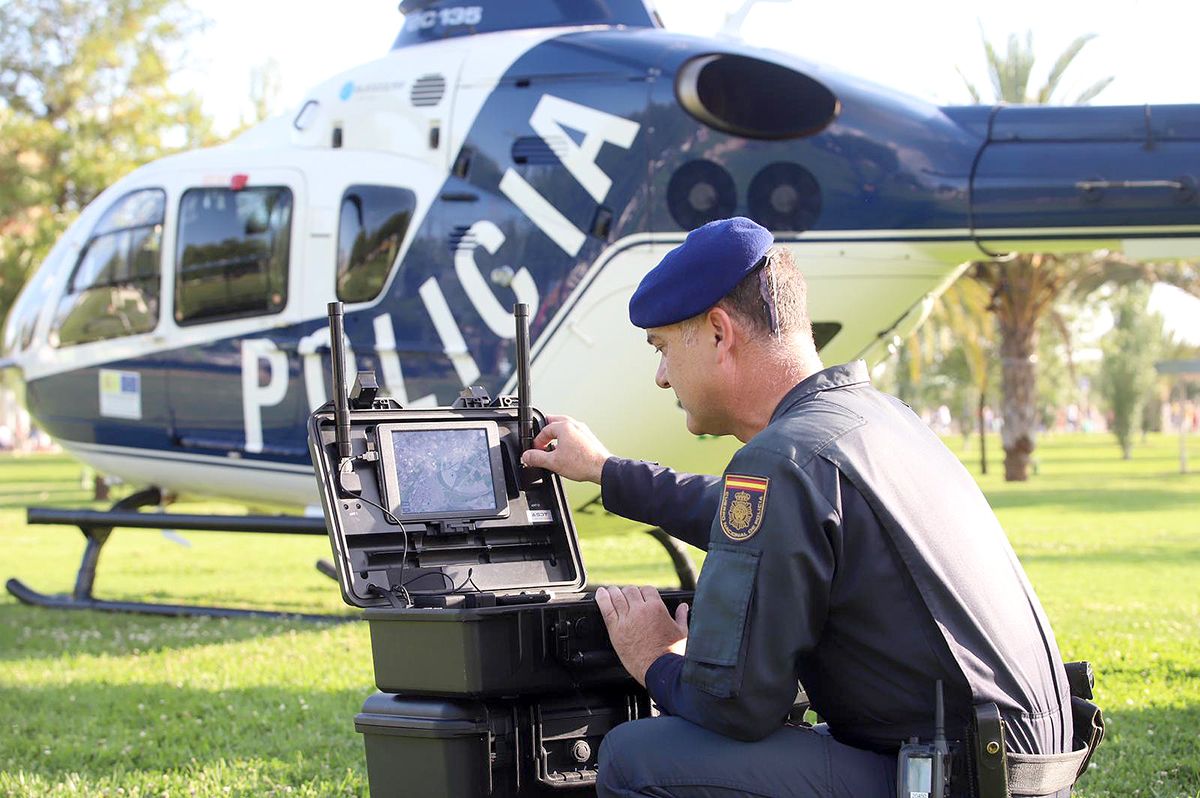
column 776, row 279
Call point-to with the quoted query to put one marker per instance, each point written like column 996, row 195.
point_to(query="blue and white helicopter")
column 546, row 152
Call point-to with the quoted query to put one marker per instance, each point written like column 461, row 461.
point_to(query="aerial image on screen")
column 442, row 471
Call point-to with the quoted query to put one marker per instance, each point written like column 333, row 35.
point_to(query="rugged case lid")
column 387, row 713
column 522, row 553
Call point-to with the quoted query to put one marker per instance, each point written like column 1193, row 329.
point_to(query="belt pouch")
column 1088, row 721
column 988, row 753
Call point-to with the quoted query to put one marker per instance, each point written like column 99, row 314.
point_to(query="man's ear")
column 719, row 326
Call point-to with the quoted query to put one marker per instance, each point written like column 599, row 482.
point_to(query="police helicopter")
column 548, row 153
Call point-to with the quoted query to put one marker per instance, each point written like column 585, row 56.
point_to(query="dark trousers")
column 667, row 757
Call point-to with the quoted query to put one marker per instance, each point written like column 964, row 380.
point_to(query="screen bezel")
column 391, row 482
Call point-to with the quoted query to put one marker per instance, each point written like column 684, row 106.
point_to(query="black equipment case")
column 497, row 674
column 500, row 748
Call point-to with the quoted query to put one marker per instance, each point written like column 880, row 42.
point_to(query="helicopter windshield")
column 430, row 20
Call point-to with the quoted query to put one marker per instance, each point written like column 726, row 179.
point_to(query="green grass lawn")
column 96, row 704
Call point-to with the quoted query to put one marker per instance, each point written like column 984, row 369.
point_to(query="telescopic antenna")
column 524, row 414
column 341, row 405
column 939, row 715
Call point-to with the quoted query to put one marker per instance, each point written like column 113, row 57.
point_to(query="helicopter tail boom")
column 1055, row 179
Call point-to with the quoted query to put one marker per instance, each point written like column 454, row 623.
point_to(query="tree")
column 1130, row 349
column 1010, row 73
column 84, row 99
column 1025, row 288
column 266, row 85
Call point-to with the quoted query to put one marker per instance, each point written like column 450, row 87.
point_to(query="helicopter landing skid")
column 98, row 525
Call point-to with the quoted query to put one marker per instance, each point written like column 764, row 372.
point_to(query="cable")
column 408, row 602
column 467, row 580
column 348, row 464
column 442, row 574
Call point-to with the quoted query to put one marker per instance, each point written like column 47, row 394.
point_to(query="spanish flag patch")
column 743, row 505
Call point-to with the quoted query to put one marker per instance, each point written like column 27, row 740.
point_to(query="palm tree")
column 1009, row 73
column 1024, row 288
column 960, row 321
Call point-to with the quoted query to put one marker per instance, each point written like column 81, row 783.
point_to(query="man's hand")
column 577, row 454
column 640, row 627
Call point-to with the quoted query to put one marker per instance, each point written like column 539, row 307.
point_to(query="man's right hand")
column 577, row 454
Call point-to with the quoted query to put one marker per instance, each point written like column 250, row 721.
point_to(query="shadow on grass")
column 1167, row 555
column 102, row 731
column 1098, row 501
column 30, row 634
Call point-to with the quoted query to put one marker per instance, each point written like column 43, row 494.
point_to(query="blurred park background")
column 1069, row 386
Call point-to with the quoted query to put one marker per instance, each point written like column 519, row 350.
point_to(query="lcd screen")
column 444, row 471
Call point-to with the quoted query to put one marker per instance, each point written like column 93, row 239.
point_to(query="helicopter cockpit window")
column 114, row 289
column 233, row 253
column 373, row 223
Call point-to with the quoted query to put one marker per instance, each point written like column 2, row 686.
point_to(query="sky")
column 1148, row 48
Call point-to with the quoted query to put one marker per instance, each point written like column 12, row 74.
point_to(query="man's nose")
column 660, row 377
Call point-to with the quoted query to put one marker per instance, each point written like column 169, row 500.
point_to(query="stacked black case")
column 495, row 670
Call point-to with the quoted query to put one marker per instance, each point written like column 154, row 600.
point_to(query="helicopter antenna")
column 732, row 29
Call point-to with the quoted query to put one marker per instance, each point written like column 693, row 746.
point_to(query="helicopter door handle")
column 1185, row 187
column 1092, row 185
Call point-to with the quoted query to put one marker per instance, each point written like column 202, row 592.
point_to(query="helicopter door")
column 373, row 222
column 234, row 386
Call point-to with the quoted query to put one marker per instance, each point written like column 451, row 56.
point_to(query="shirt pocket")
column 718, row 630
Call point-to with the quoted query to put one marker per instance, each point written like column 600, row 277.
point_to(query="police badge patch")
column 743, row 505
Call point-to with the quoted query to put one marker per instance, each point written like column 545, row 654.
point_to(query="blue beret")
column 699, row 272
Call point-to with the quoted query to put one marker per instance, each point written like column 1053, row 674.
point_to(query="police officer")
column 848, row 550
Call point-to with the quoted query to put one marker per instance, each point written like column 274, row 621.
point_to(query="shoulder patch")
column 743, row 505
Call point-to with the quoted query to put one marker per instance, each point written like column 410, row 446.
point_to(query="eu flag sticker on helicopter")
column 120, row 394
column 742, row 505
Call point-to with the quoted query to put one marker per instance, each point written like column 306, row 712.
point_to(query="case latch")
column 580, row 641
column 475, row 396
column 452, row 527
column 567, row 735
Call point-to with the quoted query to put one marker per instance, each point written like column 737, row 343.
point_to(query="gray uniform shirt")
column 850, row 551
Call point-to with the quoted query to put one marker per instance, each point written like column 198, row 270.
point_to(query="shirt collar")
column 843, row 376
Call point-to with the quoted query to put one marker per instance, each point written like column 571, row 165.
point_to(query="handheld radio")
column 921, row 769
